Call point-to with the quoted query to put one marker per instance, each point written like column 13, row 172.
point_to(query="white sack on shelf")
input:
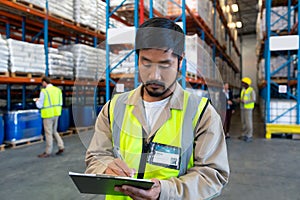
column 4, row 55
column 26, row 57
column 89, row 62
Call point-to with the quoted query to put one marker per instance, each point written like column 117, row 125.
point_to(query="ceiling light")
column 235, row 7
column 231, row 25
column 239, row 24
column 228, row 9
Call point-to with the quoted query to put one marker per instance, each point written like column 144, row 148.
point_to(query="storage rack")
column 30, row 23
column 136, row 16
column 192, row 23
column 272, row 83
column 51, row 26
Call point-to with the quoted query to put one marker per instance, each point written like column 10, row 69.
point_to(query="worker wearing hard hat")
column 247, row 102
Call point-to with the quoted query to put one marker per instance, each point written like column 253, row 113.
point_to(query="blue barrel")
column 64, row 120
column 22, row 124
column 1, row 129
column 88, row 116
column 83, row 116
column 13, row 126
column 33, row 123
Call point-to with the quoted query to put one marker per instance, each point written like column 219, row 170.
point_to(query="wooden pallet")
column 85, row 79
column 4, row 74
column 60, row 17
column 121, row 75
column 2, row 147
column 81, row 129
column 24, row 142
column 85, row 27
column 66, row 133
column 28, row 75
column 30, row 5
column 60, row 77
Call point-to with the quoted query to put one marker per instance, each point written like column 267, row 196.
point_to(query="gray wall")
column 250, row 60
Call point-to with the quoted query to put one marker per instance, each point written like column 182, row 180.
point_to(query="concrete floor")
column 263, row 169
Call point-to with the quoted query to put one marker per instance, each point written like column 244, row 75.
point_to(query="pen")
column 117, row 154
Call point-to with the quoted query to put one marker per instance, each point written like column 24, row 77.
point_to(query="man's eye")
column 167, row 65
column 147, row 65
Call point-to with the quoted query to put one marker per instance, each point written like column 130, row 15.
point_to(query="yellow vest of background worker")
column 52, row 102
column 246, row 96
column 174, row 139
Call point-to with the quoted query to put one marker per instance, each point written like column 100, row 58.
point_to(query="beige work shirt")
column 211, row 169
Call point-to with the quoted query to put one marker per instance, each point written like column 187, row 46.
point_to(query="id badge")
column 164, row 155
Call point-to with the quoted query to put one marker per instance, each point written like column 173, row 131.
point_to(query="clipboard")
column 104, row 184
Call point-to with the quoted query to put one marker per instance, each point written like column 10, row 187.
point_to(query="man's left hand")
column 140, row 194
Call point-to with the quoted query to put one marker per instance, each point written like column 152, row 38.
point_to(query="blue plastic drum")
column 22, row 124
column 64, row 120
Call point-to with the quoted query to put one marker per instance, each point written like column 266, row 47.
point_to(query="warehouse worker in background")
column 247, row 101
column 159, row 131
column 229, row 109
column 50, row 103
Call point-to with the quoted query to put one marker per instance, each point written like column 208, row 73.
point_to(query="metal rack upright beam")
column 271, row 125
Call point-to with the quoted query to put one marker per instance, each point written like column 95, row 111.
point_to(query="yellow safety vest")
column 52, row 102
column 246, row 96
column 178, row 132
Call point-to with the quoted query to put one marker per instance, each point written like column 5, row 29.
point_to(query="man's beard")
column 156, row 93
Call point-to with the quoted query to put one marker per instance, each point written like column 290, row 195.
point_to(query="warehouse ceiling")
column 248, row 10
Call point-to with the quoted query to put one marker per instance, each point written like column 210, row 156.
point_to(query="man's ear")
column 180, row 61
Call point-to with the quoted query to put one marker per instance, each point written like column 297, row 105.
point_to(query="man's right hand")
column 119, row 168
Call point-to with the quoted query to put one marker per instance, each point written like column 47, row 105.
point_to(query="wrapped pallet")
column 198, row 56
column 283, row 111
column 61, row 63
column 62, row 8
column 89, row 62
column 90, row 13
column 26, row 57
column 4, row 55
column 277, row 23
column 125, row 67
column 39, row 3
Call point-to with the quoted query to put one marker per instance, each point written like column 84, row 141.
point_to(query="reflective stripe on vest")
column 52, row 102
column 246, row 96
column 128, row 138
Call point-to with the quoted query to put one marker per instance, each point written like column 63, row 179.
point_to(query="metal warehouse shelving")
column 29, row 23
column 272, row 83
column 191, row 23
column 136, row 16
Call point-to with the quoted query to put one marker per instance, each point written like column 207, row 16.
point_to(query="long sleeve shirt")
column 40, row 102
column 210, row 171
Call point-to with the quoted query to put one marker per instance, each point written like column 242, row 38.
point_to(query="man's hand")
column 119, row 168
column 140, row 194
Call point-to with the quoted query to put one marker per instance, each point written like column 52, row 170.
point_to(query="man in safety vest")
column 247, row 102
column 50, row 103
column 159, row 131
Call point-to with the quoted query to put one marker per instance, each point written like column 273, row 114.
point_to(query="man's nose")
column 155, row 72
